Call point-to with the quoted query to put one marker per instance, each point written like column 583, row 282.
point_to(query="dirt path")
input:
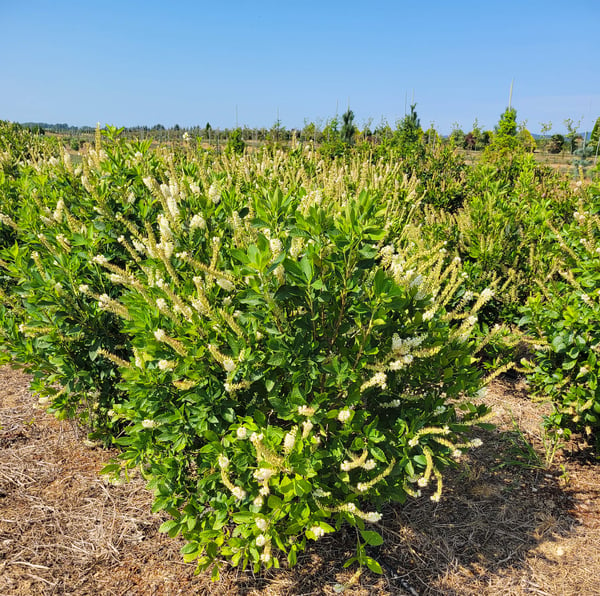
column 501, row 528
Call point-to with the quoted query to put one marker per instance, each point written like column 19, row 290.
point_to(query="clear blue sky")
column 188, row 63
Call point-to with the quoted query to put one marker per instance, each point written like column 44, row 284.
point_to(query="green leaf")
column 286, row 485
column 371, row 538
column 304, row 485
column 189, row 548
column 357, row 444
column 210, row 435
column 307, row 269
column 380, row 281
column 373, row 565
column 243, row 517
column 160, row 503
column 110, row 468
column 235, row 558
column 168, row 526
column 274, row 502
column 191, row 523
column 377, row 453
column 558, row 344
column 420, row 459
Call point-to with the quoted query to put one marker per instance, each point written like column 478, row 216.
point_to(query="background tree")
column 247, row 133
column 507, row 125
column 333, row 144
column 310, row 132
column 572, row 128
column 277, row 132
column 505, row 139
column 235, row 142
column 348, row 128
column 457, row 135
column 367, row 131
column 409, row 130
column 595, row 139
column 431, row 136
column 331, row 131
column 383, row 131
column 545, row 128
column 485, row 139
column 526, row 140
column 556, row 144
column 472, row 139
column 36, row 129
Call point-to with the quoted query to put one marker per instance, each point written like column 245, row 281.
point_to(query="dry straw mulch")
column 506, row 524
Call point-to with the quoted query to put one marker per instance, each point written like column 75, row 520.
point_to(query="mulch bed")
column 508, row 522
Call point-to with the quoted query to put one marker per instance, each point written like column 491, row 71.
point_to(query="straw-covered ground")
column 508, row 524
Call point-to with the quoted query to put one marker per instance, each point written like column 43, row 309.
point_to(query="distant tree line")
column 335, row 135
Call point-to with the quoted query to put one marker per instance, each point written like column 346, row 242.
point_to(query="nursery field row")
column 283, row 342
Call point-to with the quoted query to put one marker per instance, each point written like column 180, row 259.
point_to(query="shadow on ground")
column 505, row 525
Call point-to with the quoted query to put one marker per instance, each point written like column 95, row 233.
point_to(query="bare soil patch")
column 507, row 523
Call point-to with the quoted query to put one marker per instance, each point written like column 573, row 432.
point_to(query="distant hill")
column 585, row 135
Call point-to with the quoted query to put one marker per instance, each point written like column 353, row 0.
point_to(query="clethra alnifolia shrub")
column 259, row 333
column 563, row 319
column 296, row 367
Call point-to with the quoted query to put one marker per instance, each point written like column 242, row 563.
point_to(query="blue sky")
column 188, row 63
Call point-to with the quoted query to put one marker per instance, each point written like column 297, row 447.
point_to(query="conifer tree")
column 348, row 128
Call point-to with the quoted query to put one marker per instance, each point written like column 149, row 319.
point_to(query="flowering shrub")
column 17, row 147
column 260, row 336
column 564, row 320
column 500, row 232
column 46, row 324
column 294, row 367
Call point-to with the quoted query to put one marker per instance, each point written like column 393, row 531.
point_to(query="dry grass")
column 506, row 525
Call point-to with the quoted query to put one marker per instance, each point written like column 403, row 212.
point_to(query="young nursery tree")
column 235, row 142
column 457, row 135
column 556, row 143
column 348, row 128
column 545, row 128
column 572, row 128
column 505, row 138
column 507, row 125
column 409, row 129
